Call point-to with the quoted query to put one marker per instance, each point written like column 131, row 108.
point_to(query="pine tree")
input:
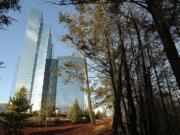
column 127, row 48
column 5, row 7
column 16, row 116
column 75, row 113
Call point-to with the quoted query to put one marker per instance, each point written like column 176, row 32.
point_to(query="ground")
column 77, row 129
column 102, row 127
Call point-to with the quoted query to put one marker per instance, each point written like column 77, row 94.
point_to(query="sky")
column 11, row 39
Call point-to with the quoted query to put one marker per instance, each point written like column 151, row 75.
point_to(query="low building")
column 62, row 84
column 69, row 83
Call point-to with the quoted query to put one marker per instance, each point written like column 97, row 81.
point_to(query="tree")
column 75, row 113
column 93, row 37
column 165, row 15
column 100, row 115
column 90, row 110
column 5, row 7
column 104, row 96
column 16, row 116
column 123, row 40
column 45, row 111
column 162, row 21
column 85, row 115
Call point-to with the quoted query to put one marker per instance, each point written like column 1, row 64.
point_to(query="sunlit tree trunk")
column 90, row 110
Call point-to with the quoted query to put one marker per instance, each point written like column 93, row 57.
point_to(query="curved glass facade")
column 37, row 87
column 31, row 64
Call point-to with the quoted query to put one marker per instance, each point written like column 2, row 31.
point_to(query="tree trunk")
column 90, row 110
column 117, row 110
column 147, row 85
column 132, row 125
column 166, row 38
column 169, row 90
column 150, row 55
column 142, row 114
column 119, row 93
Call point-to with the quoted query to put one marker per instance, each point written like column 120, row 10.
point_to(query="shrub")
column 57, row 120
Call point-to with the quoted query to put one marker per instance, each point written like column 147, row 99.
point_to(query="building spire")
column 50, row 46
column 50, row 35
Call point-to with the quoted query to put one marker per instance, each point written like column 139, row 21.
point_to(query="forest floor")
column 102, row 127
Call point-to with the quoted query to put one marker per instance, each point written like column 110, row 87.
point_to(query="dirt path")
column 102, row 127
column 80, row 129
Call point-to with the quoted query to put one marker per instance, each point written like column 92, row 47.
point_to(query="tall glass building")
column 69, row 84
column 50, row 82
column 31, row 65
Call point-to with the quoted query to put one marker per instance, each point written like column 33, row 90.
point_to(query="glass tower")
column 31, row 64
column 50, row 82
column 68, row 90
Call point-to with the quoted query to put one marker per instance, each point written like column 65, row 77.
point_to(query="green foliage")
column 5, row 6
column 113, row 38
column 17, row 115
column 75, row 113
column 46, row 110
column 85, row 116
column 73, row 70
column 100, row 115
column 104, row 95
column 35, row 113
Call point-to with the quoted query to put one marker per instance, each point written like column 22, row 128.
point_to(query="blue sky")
column 11, row 40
